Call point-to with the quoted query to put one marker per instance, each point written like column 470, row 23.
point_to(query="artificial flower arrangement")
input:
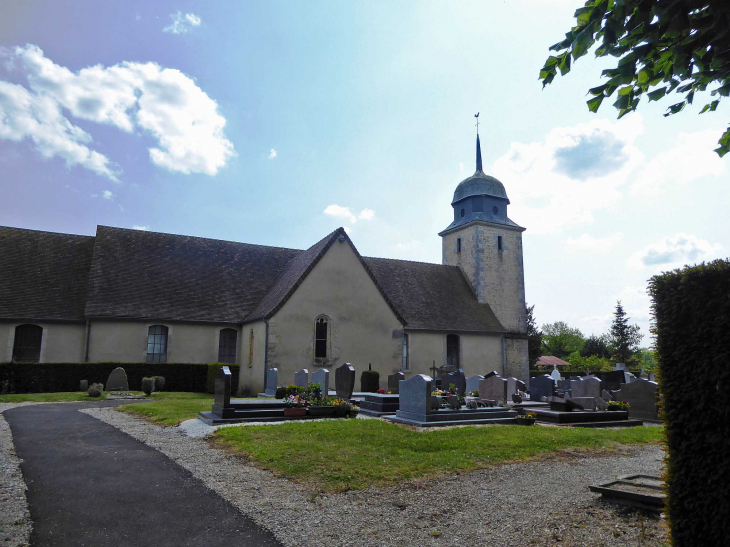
column 382, row 391
column 619, row 405
column 474, row 393
column 296, row 401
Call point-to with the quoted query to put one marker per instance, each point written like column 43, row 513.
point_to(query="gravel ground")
column 15, row 522
column 538, row 503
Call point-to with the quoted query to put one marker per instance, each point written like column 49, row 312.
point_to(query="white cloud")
column 348, row 230
column 587, row 242
column 143, row 228
column 366, row 214
column 573, row 173
column 414, row 243
column 272, row 154
column 674, row 252
column 341, row 212
column 163, row 102
column 690, row 159
column 182, row 23
column 122, row 209
column 106, row 194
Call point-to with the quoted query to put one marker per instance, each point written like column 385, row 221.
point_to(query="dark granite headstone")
column 493, row 388
column 516, row 398
column 415, row 397
column 457, row 378
column 488, row 374
column 563, row 405
column 521, row 386
column 272, row 380
column 222, row 396
column 612, row 379
column 541, row 386
column 589, row 386
column 345, row 381
column 322, row 377
column 642, row 396
column 393, row 381
column 301, row 378
column 117, row 380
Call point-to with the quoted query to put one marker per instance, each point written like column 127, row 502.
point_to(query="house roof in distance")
column 43, row 275
column 549, row 360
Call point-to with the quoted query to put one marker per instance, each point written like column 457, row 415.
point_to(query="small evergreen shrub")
column 280, row 392
column 159, row 382
column 148, row 386
column 369, row 381
column 95, row 390
column 83, row 385
column 291, row 389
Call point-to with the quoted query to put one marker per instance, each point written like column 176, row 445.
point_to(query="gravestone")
column 222, row 396
column 322, row 377
column 472, row 384
column 345, row 381
column 542, row 386
column 457, row 378
column 585, row 387
column 272, row 380
column 612, row 379
column 555, row 374
column 606, row 395
column 511, row 387
column 521, row 386
column 493, row 388
column 301, row 378
column 415, row 397
column 117, row 380
column 488, row 374
column 394, row 381
column 630, row 377
column 652, row 377
column 642, row 396
column 588, row 403
column 620, row 366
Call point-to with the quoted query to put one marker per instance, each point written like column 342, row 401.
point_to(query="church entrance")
column 452, row 351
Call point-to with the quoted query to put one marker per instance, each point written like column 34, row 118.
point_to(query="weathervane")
column 477, row 117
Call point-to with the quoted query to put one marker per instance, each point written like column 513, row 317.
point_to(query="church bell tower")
column 487, row 246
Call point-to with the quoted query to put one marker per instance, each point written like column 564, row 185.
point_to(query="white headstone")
column 555, row 374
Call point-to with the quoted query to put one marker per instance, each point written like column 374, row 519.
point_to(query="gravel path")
column 538, row 503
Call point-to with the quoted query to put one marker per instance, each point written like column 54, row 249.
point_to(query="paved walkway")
column 89, row 484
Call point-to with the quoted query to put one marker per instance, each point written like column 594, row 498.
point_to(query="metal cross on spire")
column 477, row 117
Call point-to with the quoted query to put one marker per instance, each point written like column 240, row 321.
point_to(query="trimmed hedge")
column 53, row 377
column 691, row 312
column 369, row 381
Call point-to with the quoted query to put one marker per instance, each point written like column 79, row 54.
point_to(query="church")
column 137, row 296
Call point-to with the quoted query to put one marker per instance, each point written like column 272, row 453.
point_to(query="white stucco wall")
column 61, row 342
column 363, row 327
column 126, row 341
column 480, row 353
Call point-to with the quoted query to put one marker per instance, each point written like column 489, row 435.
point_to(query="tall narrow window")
column 406, row 361
column 499, row 242
column 157, row 344
column 458, row 244
column 227, row 346
column 452, row 351
column 250, row 348
column 321, row 331
column 27, row 346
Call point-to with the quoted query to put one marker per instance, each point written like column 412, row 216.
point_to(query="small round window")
column 495, row 210
column 462, row 212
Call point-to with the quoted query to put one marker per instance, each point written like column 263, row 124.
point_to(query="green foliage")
column 596, row 345
column 292, row 389
column 213, row 369
column 342, row 456
column 691, row 319
column 148, row 386
column 592, row 363
column 560, row 340
column 534, row 337
column 95, row 390
column 646, row 359
column 625, row 338
column 369, row 381
column 159, row 382
column 662, row 47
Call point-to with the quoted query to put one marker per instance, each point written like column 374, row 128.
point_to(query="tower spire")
column 479, row 148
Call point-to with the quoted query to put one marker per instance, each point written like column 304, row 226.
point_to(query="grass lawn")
column 353, row 454
column 62, row 397
column 170, row 408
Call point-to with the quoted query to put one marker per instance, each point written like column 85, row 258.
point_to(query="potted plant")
column 619, row 405
column 321, row 407
column 528, row 418
column 382, row 391
column 295, row 406
column 341, row 407
column 354, row 410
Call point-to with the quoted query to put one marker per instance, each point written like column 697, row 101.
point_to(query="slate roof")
column 163, row 276
column 148, row 275
column 43, row 275
column 432, row 296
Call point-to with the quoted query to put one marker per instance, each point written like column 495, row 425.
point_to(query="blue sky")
column 276, row 122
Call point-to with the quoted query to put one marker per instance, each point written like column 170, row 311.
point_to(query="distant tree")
column 625, row 338
column 560, row 340
column 596, row 345
column 592, row 363
column 646, row 359
column 534, row 337
column 664, row 45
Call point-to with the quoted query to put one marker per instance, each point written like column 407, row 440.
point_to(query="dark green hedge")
column 51, row 377
column 691, row 310
column 369, row 381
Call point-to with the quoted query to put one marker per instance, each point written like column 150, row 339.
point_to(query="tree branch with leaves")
column 662, row 46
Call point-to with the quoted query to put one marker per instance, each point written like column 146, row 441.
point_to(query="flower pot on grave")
column 525, row 421
column 614, row 408
column 340, row 411
column 321, row 410
column 295, row 412
column 354, row 413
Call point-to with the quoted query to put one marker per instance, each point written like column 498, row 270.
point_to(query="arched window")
column 321, row 337
column 27, row 346
column 227, row 346
column 452, row 350
column 157, row 344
